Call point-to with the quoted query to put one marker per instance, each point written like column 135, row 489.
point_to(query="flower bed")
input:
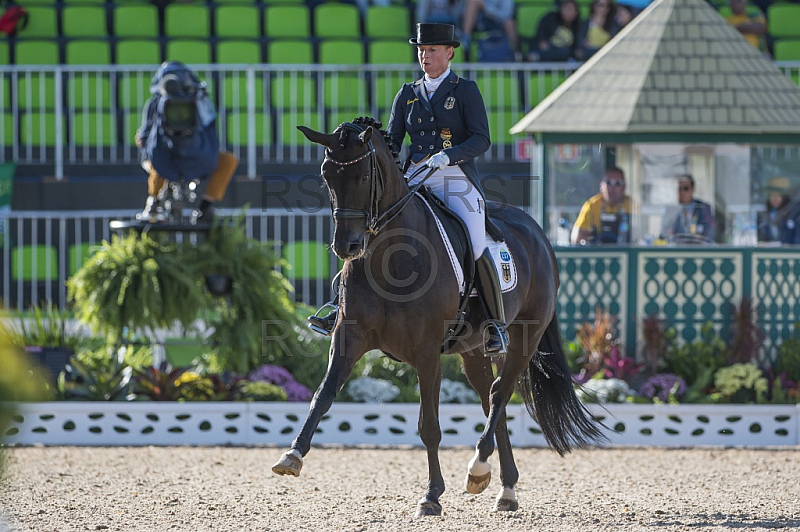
column 277, row 423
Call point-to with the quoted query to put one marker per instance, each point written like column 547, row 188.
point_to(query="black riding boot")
column 488, row 285
column 324, row 324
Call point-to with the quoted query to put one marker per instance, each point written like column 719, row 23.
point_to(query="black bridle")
column 375, row 222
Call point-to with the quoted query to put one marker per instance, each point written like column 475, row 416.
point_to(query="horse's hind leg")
column 430, row 378
column 479, row 373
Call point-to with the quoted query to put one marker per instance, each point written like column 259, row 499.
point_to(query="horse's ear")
column 365, row 135
column 326, row 139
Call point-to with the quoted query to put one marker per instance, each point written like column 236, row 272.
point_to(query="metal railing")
column 42, row 249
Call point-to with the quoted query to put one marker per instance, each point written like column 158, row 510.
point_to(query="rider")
column 178, row 139
column 445, row 118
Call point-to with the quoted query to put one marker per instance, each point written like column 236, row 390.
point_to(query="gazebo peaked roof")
column 678, row 68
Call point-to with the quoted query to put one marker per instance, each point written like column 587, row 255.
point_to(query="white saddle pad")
column 503, row 260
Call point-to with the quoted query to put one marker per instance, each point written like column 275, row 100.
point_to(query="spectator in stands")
column 362, row 5
column 178, row 141
column 605, row 217
column 623, row 16
column 694, row 223
column 750, row 22
column 771, row 221
column 598, row 29
column 491, row 15
column 790, row 230
column 440, row 11
column 557, row 35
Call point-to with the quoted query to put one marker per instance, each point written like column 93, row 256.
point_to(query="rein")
column 375, row 222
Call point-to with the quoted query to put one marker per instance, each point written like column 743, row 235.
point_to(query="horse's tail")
column 550, row 398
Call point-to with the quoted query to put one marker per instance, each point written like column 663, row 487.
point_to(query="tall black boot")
column 324, row 324
column 488, row 285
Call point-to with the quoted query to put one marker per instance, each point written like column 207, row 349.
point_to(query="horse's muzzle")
column 349, row 250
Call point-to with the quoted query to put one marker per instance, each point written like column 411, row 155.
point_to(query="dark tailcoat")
column 455, row 113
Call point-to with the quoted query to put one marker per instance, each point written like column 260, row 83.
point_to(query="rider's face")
column 433, row 58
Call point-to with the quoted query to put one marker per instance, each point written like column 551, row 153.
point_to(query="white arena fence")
column 61, row 115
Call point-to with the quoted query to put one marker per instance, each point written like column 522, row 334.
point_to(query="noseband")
column 376, row 184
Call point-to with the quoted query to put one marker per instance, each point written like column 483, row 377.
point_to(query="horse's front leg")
column 347, row 346
column 430, row 379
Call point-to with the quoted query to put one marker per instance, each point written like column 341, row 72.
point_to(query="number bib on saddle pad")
column 503, row 260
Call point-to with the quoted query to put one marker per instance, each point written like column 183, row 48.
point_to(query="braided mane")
column 378, row 125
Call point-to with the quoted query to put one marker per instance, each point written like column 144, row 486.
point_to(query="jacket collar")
column 447, row 85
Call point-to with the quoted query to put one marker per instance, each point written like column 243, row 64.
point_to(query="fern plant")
column 136, row 282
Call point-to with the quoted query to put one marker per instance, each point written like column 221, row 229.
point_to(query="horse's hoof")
column 506, row 505
column 428, row 508
column 477, row 483
column 289, row 464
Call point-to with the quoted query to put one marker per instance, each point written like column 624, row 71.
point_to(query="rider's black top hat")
column 430, row 33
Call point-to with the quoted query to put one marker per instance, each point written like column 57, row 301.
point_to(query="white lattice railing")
column 120, row 423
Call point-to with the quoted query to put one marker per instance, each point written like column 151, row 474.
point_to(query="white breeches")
column 460, row 195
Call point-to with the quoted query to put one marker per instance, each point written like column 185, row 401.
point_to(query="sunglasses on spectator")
column 615, row 182
column 685, row 188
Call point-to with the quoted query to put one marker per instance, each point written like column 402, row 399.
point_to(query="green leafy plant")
column 788, row 361
column 376, row 365
column 42, row 327
column 741, row 383
column 693, row 361
column 262, row 391
column 257, row 322
column 136, row 282
column 108, row 382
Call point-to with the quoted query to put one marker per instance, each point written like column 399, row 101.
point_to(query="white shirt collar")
column 432, row 84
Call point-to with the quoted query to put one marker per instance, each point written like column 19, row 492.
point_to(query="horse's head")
column 356, row 164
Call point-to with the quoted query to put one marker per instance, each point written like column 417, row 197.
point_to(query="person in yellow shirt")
column 750, row 22
column 605, row 218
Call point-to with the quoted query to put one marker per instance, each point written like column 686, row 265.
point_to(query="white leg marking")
column 477, row 468
column 507, row 493
column 294, row 452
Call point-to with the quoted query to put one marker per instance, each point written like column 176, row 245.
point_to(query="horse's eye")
column 365, row 178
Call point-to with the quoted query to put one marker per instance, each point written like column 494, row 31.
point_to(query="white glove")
column 440, row 161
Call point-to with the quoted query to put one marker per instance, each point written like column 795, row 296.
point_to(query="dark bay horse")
column 398, row 293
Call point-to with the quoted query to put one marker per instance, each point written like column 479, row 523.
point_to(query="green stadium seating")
column 36, row 52
column 307, row 259
column 80, row 253
column 499, row 89
column 84, row 21
column 390, row 52
column 344, row 90
column 7, row 130
column 383, row 22
column 293, row 90
column 288, row 135
column 783, row 20
column 130, row 124
column 87, row 90
column 234, row 90
column 135, row 20
column 337, row 20
column 138, row 52
column 540, row 85
column 528, row 16
column 240, row 21
column 189, row 51
column 499, row 124
column 787, row 50
column 39, row 128
column 23, row 267
column 239, row 52
column 42, row 22
column 236, row 128
column 87, row 52
column 290, row 52
column 36, row 90
column 93, row 129
column 186, row 20
column 5, row 58
column 287, row 21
